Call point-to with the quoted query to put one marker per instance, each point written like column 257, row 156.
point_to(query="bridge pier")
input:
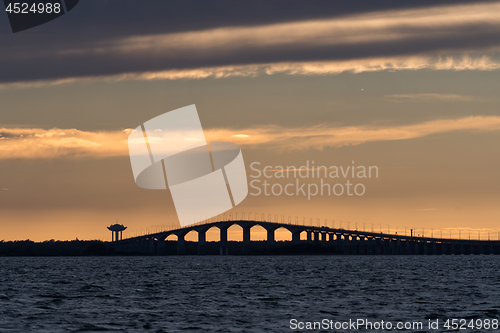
column 346, row 244
column 181, row 244
column 324, row 241
column 331, row 242
column 316, row 237
column 409, row 247
column 439, row 247
column 247, row 244
column 363, row 245
column 369, row 245
column 309, row 236
column 270, row 243
column 387, row 246
column 444, row 248
column 339, row 245
column 296, row 237
column 356, row 245
column 202, row 242
column 417, row 248
column 360, row 245
column 391, row 247
column 358, row 241
column 462, row 249
column 394, row 248
column 151, row 244
column 224, row 247
column 349, row 244
column 425, row 248
column 160, row 250
column 353, row 244
column 405, row 247
column 378, row 246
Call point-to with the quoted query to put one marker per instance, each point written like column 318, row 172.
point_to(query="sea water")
column 243, row 293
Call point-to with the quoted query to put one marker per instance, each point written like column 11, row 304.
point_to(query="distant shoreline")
column 75, row 248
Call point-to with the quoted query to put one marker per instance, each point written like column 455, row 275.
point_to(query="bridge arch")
column 283, row 234
column 171, row 237
column 258, row 233
column 213, row 234
column 191, row 236
column 235, row 233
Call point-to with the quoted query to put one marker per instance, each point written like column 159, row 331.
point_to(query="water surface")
column 240, row 293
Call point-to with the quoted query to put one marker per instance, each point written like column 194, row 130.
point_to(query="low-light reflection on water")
column 239, row 294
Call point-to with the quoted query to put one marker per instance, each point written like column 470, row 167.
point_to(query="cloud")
column 432, row 97
column 453, row 37
column 438, row 23
column 28, row 143
column 34, row 143
column 320, row 137
column 318, row 68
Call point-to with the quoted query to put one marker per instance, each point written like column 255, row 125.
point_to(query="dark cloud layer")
column 86, row 42
column 104, row 18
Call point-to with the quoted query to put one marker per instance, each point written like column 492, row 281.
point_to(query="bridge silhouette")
column 321, row 237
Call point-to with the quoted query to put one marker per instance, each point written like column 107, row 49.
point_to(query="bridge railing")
column 443, row 233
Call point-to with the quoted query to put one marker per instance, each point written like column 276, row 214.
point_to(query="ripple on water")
column 240, row 294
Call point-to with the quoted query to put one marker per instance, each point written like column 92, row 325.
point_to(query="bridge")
column 329, row 239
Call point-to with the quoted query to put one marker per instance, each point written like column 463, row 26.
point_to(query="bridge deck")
column 335, row 240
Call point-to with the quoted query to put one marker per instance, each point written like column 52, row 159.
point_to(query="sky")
column 409, row 87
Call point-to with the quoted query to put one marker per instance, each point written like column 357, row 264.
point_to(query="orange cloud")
column 54, row 143
column 432, row 97
column 319, row 137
